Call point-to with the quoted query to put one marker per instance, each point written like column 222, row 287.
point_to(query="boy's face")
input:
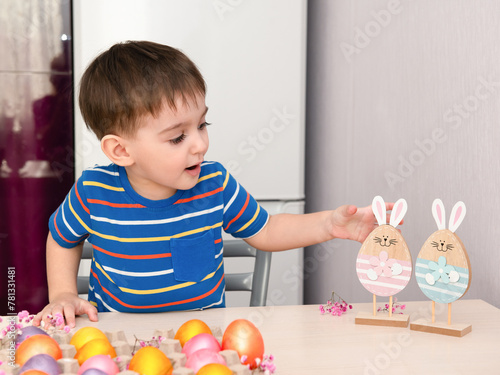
column 167, row 151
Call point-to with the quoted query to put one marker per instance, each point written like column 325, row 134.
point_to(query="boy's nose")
column 200, row 144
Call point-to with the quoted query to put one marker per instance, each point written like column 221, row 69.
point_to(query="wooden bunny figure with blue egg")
column 443, row 269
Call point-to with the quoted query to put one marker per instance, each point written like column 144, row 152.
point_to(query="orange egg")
column 38, row 344
column 95, row 347
column 86, row 334
column 34, row 372
column 214, row 369
column 242, row 336
column 150, row 361
column 190, row 329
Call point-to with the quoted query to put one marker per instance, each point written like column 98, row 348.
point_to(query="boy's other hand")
column 68, row 305
column 353, row 223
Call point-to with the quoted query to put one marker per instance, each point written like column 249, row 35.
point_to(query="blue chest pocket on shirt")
column 193, row 258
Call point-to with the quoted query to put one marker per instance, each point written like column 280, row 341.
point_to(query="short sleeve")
column 69, row 224
column 243, row 215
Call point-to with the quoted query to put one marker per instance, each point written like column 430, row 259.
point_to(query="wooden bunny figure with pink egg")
column 384, row 263
column 442, row 269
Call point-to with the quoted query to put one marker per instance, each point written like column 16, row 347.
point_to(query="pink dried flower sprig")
column 24, row 319
column 335, row 306
column 265, row 366
column 23, row 315
column 155, row 342
column 57, row 321
column 395, row 307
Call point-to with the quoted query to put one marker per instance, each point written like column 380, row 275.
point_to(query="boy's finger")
column 351, row 209
column 37, row 319
column 51, row 317
column 348, row 210
column 91, row 311
column 69, row 315
column 45, row 316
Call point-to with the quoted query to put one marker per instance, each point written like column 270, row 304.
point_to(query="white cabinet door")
column 252, row 55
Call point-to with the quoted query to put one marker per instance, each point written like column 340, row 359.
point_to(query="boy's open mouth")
column 192, row 167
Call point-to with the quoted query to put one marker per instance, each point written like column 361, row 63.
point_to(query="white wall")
column 404, row 101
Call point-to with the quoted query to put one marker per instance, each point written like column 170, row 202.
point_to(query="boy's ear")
column 115, row 148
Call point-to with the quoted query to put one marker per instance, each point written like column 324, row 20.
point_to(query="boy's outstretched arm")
column 290, row 231
column 62, row 270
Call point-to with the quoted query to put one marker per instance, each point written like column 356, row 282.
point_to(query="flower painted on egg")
column 383, row 266
column 442, row 271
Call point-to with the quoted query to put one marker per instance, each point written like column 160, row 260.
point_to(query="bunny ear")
column 378, row 208
column 398, row 212
column 439, row 213
column 457, row 216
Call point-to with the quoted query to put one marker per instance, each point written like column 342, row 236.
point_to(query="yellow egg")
column 214, row 369
column 190, row 329
column 95, row 347
column 86, row 334
column 150, row 361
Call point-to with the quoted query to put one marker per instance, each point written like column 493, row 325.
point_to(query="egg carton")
column 169, row 345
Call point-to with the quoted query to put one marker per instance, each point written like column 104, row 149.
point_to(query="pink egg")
column 100, row 362
column 42, row 362
column 203, row 357
column 201, row 341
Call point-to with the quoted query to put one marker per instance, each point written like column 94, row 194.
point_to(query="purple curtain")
column 36, row 142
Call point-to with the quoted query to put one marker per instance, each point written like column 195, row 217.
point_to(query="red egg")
column 201, row 341
column 203, row 357
column 100, row 362
column 38, row 344
column 243, row 337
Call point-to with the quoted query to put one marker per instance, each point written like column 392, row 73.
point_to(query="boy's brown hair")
column 133, row 79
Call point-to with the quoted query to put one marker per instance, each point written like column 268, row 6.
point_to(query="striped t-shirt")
column 151, row 256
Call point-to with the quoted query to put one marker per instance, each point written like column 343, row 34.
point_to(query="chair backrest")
column 82, row 281
column 255, row 282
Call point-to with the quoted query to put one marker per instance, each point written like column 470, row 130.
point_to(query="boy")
column 155, row 215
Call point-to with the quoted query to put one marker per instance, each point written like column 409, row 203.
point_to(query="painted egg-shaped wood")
column 442, row 268
column 384, row 263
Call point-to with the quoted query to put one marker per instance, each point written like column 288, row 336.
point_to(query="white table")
column 305, row 342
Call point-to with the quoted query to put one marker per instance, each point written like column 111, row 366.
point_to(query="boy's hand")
column 350, row 222
column 68, row 305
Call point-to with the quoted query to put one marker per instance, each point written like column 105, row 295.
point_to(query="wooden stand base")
column 382, row 319
column 441, row 328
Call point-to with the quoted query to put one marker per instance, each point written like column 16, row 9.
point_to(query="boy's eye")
column 204, row 125
column 179, row 139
